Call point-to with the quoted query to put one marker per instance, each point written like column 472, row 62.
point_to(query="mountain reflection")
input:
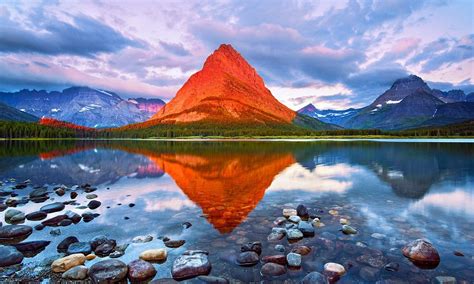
column 228, row 179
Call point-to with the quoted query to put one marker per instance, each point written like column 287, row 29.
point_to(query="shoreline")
column 381, row 138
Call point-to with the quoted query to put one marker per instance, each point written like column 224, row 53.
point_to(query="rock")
column 252, row 246
column 39, row 227
column 303, row 250
column 348, row 230
column 108, row 271
column 60, row 191
column 76, row 273
column 368, row 273
column 53, row 207
column 279, row 221
column 73, row 194
column 392, row 266
column 105, row 249
column 65, row 222
column 314, row 278
column 272, row 269
column 275, row 237
column 98, row 240
column 293, row 259
column 294, row 234
column 279, row 259
column 187, row 225
column 142, row 239
column 38, row 193
column 378, row 236
column 73, row 216
column 288, row 212
column 343, row 221
column 445, row 280
column 154, row 255
column 140, row 270
column 280, row 248
column 458, row 253
column 13, row 216
column 14, row 233
column 333, row 212
column 212, row 279
column 192, row 263
column 376, row 260
column 248, row 258
column 30, row 249
column 90, row 256
column 306, row 228
column 79, row 247
column 64, row 244
column 55, row 221
column 332, row 268
column 421, row 253
column 302, row 211
column 174, row 244
column 9, row 256
column 294, row 219
column 94, row 204
column 91, row 196
column 36, row 216
column 87, row 216
column 68, row 262
column 116, row 254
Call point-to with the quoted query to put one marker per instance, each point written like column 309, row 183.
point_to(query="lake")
column 391, row 192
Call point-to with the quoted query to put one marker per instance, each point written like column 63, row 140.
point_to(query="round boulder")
column 140, row 270
column 108, row 271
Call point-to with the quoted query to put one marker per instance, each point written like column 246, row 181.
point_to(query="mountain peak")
column 308, row 108
column 410, row 82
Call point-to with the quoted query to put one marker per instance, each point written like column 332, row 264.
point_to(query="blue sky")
column 335, row 54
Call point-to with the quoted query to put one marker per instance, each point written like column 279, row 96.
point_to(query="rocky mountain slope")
column 12, row 114
column 83, row 106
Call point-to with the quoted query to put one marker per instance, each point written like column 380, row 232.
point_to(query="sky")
column 334, row 54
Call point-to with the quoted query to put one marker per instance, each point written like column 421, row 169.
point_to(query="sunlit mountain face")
column 231, row 192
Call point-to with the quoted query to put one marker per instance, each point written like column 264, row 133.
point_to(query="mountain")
column 338, row 117
column 450, row 96
column 12, row 114
column 470, row 97
column 229, row 91
column 411, row 103
column 83, row 106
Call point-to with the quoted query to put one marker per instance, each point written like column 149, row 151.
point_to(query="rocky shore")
column 292, row 240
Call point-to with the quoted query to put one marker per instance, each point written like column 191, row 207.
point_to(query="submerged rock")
column 174, row 243
column 212, row 279
column 314, row 278
column 9, row 256
column 332, row 268
column 30, row 249
column 76, row 273
column 247, row 258
column 14, row 233
column 422, row 253
column 293, row 259
column 36, row 216
column 142, row 239
column 279, row 259
column 306, row 228
column 272, row 269
column 348, row 230
column 79, row 247
column 53, row 207
column 108, row 271
column 302, row 211
column 190, row 264
column 252, row 246
column 140, row 270
column 64, row 244
column 294, row 234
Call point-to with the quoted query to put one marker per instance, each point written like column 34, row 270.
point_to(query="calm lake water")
column 231, row 192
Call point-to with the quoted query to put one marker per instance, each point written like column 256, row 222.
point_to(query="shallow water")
column 231, row 192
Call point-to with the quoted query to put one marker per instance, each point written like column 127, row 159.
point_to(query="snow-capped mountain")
column 338, row 117
column 83, row 106
column 409, row 103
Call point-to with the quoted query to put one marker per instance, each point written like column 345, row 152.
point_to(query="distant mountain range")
column 12, row 114
column 83, row 106
column 409, row 103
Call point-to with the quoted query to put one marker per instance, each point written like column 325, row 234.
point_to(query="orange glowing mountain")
column 226, row 186
column 228, row 90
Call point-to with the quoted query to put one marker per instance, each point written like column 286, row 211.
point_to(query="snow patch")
column 22, row 109
column 88, row 169
column 90, row 107
column 133, row 102
column 55, row 110
column 104, row 92
column 379, row 105
column 390, row 102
